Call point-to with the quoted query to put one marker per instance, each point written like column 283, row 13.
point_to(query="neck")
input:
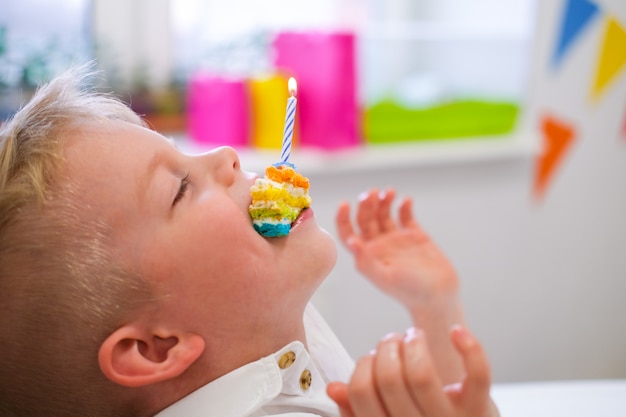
column 226, row 354
column 229, row 349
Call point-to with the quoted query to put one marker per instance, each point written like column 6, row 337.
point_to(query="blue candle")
column 290, row 119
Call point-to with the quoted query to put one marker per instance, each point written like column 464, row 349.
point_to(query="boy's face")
column 183, row 222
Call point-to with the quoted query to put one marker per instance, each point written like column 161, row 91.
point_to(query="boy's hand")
column 399, row 380
column 396, row 255
column 402, row 260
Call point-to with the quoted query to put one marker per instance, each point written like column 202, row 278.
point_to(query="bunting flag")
column 612, row 58
column 557, row 139
column 578, row 14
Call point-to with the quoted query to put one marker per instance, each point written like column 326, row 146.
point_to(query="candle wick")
column 292, row 87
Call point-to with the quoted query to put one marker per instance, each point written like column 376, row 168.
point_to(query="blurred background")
column 504, row 121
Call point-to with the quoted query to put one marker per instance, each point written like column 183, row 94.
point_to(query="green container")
column 390, row 122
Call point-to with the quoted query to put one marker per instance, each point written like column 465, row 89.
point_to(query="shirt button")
column 286, row 360
column 305, row 379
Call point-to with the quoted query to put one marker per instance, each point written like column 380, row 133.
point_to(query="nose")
column 222, row 163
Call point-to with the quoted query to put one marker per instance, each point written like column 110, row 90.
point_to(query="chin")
column 318, row 255
column 328, row 252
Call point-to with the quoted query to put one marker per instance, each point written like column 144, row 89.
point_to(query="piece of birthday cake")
column 278, row 199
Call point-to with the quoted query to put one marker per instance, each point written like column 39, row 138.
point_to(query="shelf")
column 381, row 157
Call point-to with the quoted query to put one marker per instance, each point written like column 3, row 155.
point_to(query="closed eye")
column 184, row 184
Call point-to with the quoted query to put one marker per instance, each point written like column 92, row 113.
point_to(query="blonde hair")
column 61, row 292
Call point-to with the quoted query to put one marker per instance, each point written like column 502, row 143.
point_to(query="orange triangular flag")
column 557, row 138
column 612, row 56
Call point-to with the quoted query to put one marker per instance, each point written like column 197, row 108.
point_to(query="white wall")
column 543, row 281
column 133, row 41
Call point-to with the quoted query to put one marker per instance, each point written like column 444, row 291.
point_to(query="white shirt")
column 291, row 382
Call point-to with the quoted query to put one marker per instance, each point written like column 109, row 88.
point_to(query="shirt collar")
column 289, row 372
column 263, row 383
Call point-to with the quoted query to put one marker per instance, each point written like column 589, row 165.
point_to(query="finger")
column 405, row 213
column 390, row 381
column 338, row 392
column 474, row 391
column 421, row 375
column 385, row 220
column 344, row 224
column 364, row 399
column 366, row 218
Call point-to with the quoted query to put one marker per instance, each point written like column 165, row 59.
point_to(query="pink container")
column 217, row 110
column 324, row 65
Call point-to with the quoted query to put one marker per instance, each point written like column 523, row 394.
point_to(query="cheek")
column 220, row 225
column 222, row 241
column 203, row 269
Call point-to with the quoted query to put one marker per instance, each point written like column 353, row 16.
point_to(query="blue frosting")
column 273, row 230
column 288, row 164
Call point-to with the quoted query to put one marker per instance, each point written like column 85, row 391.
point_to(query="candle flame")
column 292, row 86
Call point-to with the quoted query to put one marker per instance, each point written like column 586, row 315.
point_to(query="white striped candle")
column 290, row 119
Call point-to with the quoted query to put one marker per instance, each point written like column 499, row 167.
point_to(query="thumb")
column 338, row 392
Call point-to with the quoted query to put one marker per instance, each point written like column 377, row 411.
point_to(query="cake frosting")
column 278, row 199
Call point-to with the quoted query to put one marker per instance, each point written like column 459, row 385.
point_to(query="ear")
column 133, row 356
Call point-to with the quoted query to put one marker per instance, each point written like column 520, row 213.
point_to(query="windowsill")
column 392, row 156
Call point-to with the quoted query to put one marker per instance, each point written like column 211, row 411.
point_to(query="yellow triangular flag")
column 612, row 56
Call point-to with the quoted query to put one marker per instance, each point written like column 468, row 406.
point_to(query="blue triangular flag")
column 578, row 13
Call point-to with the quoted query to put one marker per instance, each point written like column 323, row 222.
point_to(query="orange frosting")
column 287, row 174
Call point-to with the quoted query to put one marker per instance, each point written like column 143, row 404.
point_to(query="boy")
column 132, row 283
